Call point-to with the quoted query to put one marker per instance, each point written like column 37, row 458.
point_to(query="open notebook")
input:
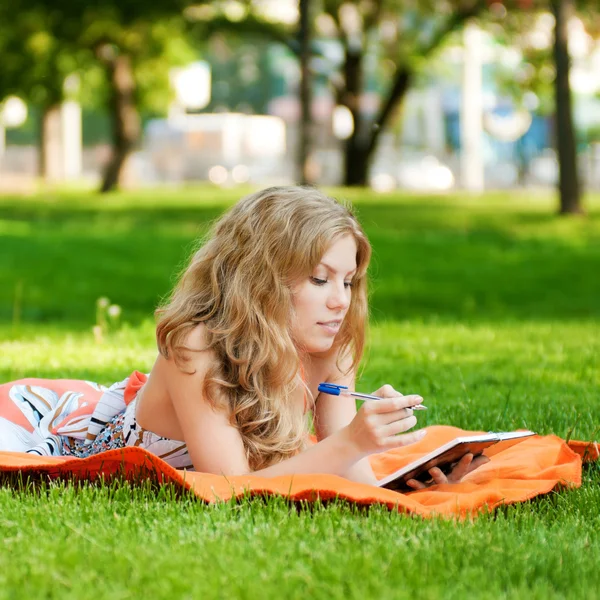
column 447, row 455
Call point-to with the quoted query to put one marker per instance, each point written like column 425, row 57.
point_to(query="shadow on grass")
column 143, row 488
column 431, row 260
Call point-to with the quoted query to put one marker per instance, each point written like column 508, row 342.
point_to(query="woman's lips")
column 331, row 327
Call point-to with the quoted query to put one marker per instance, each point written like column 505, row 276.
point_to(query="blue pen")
column 336, row 390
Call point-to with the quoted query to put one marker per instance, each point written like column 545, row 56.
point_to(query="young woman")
column 274, row 303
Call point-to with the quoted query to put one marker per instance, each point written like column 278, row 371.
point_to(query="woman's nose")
column 339, row 297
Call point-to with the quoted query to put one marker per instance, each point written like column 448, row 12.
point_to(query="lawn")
column 487, row 306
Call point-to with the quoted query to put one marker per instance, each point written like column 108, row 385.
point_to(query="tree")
column 568, row 179
column 558, row 63
column 304, row 52
column 136, row 58
column 35, row 66
column 400, row 34
column 123, row 37
column 407, row 35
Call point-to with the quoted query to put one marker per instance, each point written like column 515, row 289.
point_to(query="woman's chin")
column 318, row 346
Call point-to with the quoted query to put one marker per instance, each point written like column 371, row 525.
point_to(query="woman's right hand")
column 376, row 426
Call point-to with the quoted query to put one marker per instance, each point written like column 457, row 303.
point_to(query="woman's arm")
column 333, row 413
column 374, row 428
column 215, row 446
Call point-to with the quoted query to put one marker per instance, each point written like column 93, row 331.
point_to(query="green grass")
column 124, row 543
column 489, row 307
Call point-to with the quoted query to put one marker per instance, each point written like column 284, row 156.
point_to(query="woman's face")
column 322, row 299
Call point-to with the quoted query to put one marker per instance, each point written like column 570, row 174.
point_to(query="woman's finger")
column 415, row 485
column 390, row 404
column 397, row 441
column 464, row 466
column 392, row 417
column 438, row 476
column 404, row 423
column 461, row 468
column 478, row 461
column 387, row 391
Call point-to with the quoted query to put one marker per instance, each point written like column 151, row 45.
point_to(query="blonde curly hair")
column 239, row 285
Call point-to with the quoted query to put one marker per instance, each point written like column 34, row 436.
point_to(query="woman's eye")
column 318, row 281
column 348, row 284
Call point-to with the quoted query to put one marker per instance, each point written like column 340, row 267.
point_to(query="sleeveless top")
column 64, row 417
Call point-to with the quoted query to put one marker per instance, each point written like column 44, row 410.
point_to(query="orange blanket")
column 535, row 466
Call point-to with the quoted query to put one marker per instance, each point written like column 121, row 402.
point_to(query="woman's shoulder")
column 193, row 356
column 197, row 339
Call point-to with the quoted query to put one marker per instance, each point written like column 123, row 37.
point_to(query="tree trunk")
column 359, row 152
column 305, row 125
column 356, row 163
column 125, row 117
column 355, row 167
column 568, row 177
column 361, row 145
column 2, row 144
column 50, row 167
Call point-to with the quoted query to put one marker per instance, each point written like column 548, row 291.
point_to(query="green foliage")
column 164, row 44
column 392, row 35
column 512, row 26
column 43, row 42
column 154, row 36
column 35, row 61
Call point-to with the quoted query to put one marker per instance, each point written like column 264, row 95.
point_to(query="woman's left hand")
column 464, row 466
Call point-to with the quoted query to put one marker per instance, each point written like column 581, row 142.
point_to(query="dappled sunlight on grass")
column 486, row 306
column 444, row 257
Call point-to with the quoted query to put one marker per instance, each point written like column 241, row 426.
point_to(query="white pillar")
column 471, row 115
column 2, row 143
column 71, row 139
column 433, row 120
column 52, row 145
column 233, row 137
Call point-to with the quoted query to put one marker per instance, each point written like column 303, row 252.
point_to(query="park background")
column 425, row 96
column 485, row 222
